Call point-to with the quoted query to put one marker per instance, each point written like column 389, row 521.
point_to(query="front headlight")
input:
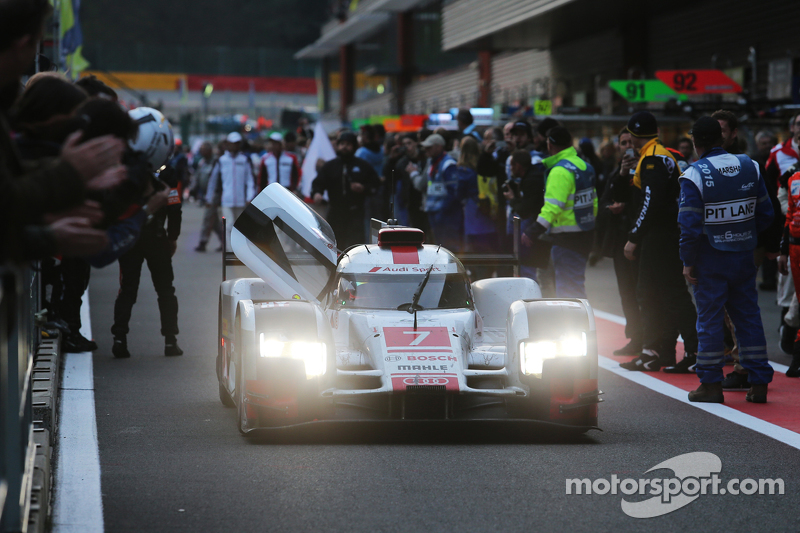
column 311, row 353
column 532, row 354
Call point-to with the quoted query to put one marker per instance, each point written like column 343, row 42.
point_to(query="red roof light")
column 401, row 237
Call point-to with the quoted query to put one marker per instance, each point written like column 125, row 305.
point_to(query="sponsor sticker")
column 401, row 382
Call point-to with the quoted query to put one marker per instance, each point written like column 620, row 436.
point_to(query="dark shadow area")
column 424, row 432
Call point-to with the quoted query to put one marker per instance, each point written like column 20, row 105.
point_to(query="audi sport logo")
column 425, row 381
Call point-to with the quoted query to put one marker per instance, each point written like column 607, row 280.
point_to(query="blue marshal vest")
column 440, row 192
column 730, row 191
column 584, row 194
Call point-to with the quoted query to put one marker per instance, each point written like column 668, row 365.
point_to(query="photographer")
column 156, row 245
column 408, row 200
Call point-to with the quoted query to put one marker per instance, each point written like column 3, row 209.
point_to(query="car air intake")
column 426, row 389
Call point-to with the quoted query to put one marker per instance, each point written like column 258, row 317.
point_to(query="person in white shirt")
column 233, row 173
column 279, row 166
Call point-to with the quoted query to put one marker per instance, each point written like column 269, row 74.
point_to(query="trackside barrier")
column 19, row 336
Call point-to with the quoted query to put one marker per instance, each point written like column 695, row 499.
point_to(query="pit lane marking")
column 78, row 502
column 778, row 433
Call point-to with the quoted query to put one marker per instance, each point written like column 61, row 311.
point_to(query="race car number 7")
column 431, row 337
column 421, row 336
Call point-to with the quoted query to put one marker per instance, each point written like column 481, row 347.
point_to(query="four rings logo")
column 425, row 381
column 694, row 474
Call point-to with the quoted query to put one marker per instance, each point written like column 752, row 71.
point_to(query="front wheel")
column 224, row 397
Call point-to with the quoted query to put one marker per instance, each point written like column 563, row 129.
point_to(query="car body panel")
column 456, row 355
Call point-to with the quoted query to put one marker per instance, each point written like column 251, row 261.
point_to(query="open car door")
column 286, row 244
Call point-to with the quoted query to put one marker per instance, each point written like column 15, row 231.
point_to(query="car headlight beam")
column 534, row 353
column 313, row 354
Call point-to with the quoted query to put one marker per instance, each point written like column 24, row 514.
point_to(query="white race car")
column 390, row 331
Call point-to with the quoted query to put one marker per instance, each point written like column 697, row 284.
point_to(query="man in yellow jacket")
column 568, row 214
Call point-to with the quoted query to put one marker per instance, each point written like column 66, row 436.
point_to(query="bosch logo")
column 426, row 381
column 393, row 358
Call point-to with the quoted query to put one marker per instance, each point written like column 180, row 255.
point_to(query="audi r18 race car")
column 390, row 331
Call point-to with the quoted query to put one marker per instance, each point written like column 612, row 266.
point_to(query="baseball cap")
column 275, row 136
column 546, row 125
column 234, row 137
column 348, row 137
column 643, row 124
column 522, row 125
column 559, row 136
column 434, row 139
column 706, row 130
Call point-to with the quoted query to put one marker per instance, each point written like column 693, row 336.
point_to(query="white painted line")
column 616, row 319
column 610, row 317
column 78, row 500
column 731, row 415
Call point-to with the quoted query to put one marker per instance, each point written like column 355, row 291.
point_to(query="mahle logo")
column 694, row 474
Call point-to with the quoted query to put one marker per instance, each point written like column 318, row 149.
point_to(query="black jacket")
column 613, row 229
column 657, row 206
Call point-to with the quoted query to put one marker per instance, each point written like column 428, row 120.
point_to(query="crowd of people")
column 83, row 185
column 83, row 182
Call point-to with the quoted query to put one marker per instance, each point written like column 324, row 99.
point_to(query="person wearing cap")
column 724, row 206
column 278, row 166
column 662, row 292
column 233, row 173
column 348, row 181
column 439, row 181
column 568, row 214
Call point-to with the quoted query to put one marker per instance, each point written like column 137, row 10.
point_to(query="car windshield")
column 389, row 291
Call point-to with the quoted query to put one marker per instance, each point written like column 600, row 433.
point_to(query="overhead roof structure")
column 364, row 22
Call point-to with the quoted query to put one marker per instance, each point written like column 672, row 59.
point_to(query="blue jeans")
column 570, row 268
column 727, row 280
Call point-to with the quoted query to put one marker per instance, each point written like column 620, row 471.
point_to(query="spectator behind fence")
column 235, row 180
column 349, row 182
column 26, row 196
column 666, row 304
column 568, row 214
column 716, row 248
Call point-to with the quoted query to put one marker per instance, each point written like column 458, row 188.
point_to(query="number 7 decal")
column 421, row 336
column 435, row 337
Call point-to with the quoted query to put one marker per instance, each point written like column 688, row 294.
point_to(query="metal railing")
column 19, row 336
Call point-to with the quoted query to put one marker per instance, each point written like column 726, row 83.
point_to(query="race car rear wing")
column 469, row 259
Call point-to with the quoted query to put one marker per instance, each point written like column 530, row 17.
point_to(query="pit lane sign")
column 699, row 81
column 645, row 90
